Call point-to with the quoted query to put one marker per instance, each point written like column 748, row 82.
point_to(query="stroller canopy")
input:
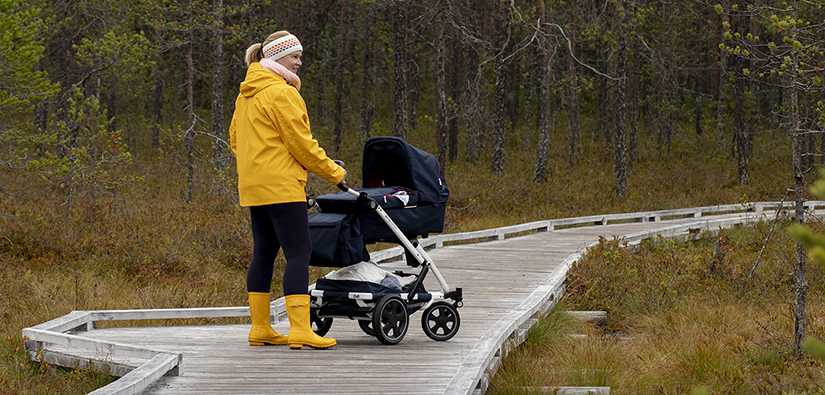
column 391, row 162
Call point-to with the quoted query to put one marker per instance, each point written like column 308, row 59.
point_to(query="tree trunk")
column 338, row 117
column 620, row 152
column 511, row 105
column 574, row 134
column 723, row 80
column 739, row 127
column 441, row 94
column 399, row 124
column 367, row 102
column 189, row 137
column 633, row 102
column 530, row 63
column 40, row 114
column 602, row 124
column 454, row 86
column 543, row 79
column 667, row 85
column 697, row 113
column 497, row 165
column 219, row 145
column 415, row 94
column 473, row 105
column 800, row 281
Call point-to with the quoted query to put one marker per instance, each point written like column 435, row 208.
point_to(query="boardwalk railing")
column 437, row 241
column 63, row 331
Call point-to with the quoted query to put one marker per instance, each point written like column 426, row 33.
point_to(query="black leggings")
column 275, row 226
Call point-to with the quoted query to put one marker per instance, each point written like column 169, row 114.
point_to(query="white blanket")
column 369, row 272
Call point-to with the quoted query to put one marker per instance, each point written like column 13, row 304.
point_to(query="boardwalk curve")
column 508, row 282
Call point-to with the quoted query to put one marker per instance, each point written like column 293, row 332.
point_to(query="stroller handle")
column 347, row 189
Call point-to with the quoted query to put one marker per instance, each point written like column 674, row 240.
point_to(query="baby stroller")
column 404, row 197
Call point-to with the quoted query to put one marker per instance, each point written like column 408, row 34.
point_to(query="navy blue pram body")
column 405, row 181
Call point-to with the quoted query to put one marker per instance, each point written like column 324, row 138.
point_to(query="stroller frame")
column 385, row 315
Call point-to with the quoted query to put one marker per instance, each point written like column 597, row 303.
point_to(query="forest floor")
column 138, row 244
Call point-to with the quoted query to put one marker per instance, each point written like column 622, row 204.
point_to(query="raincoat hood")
column 258, row 79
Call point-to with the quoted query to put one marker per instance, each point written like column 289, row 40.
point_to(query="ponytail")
column 253, row 54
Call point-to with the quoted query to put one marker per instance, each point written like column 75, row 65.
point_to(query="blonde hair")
column 255, row 52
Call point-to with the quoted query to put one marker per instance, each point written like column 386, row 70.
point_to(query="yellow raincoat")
column 272, row 142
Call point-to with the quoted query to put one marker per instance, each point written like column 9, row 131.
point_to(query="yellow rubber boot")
column 300, row 327
column 261, row 332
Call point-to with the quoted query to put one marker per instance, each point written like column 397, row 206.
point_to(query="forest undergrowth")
column 137, row 244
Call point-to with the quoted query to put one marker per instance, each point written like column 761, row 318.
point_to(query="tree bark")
column 157, row 102
column 620, row 152
column 530, row 63
column 800, row 280
column 739, row 127
column 473, row 105
column 219, row 151
column 338, row 117
column 40, row 119
column 441, row 94
column 574, row 134
column 665, row 135
column 502, row 32
column 602, row 122
column 399, row 124
column 723, row 80
column 454, row 87
column 367, row 101
column 633, row 102
column 414, row 93
column 543, row 79
column 189, row 136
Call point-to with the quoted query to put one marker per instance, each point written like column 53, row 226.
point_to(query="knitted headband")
column 282, row 47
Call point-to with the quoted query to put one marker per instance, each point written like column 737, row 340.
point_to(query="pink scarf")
column 282, row 71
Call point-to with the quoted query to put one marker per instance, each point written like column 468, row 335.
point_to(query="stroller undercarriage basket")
column 413, row 205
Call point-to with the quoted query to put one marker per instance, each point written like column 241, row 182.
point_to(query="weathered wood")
column 595, row 317
column 568, row 390
column 137, row 380
column 508, row 285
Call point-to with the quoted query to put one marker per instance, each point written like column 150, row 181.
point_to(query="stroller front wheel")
column 440, row 321
column 390, row 319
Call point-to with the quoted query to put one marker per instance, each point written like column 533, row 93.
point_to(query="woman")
column 271, row 139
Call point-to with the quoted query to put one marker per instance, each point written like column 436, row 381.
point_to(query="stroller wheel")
column 319, row 325
column 366, row 326
column 390, row 319
column 440, row 321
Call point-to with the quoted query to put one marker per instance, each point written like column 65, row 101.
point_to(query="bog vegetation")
column 682, row 319
column 117, row 188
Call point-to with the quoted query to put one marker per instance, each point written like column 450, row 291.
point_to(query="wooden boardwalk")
column 507, row 283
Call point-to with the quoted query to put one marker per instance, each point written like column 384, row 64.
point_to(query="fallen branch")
column 768, row 237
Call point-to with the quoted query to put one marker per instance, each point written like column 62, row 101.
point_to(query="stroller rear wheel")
column 320, row 325
column 440, row 321
column 366, row 326
column 390, row 319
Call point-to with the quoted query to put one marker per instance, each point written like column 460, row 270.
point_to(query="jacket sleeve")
column 233, row 140
column 289, row 113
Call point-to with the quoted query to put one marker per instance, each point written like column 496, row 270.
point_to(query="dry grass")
column 720, row 333
column 139, row 245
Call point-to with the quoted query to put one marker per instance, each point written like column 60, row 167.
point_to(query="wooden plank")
column 508, row 284
column 102, row 347
column 139, row 379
